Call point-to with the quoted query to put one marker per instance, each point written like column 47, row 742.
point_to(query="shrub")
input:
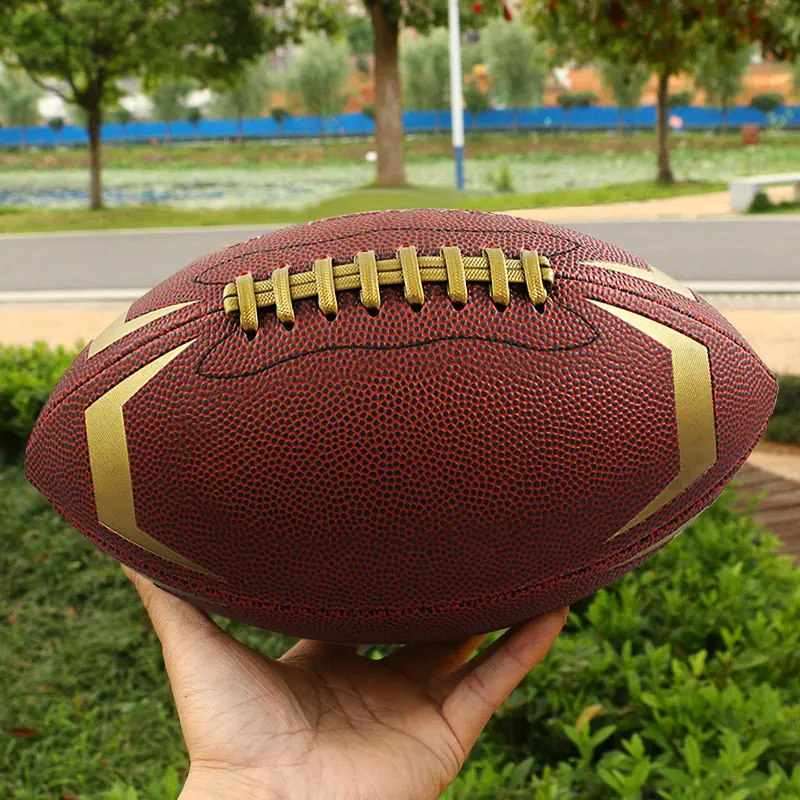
column 27, row 376
column 760, row 204
column 683, row 97
column 570, row 100
column 785, row 423
column 767, row 101
column 503, row 182
column 680, row 681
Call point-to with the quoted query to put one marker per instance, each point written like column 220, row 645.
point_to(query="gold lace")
column 367, row 273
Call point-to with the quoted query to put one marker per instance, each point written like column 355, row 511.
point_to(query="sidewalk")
column 692, row 206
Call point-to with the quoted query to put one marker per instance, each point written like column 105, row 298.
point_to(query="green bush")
column 768, row 101
column 785, row 423
column 680, row 681
column 683, row 97
column 760, row 204
column 27, row 376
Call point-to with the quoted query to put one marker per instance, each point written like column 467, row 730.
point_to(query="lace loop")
column 412, row 280
column 498, row 272
column 456, row 275
column 248, row 308
column 370, row 287
column 326, row 288
column 532, row 267
column 283, row 295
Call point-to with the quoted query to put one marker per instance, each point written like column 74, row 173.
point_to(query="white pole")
column 456, row 97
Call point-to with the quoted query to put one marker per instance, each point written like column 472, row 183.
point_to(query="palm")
column 324, row 721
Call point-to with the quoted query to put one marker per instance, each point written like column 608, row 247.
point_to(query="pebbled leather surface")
column 408, row 476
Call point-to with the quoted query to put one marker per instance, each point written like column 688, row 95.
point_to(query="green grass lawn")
column 25, row 220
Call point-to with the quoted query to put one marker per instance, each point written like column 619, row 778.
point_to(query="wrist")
column 224, row 784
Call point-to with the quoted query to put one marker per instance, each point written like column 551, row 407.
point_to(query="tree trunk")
column 724, row 119
column 388, row 108
column 94, row 117
column 22, row 142
column 662, row 125
column 240, row 130
column 515, row 120
column 620, row 121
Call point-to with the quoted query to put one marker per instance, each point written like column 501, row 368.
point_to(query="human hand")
column 324, row 722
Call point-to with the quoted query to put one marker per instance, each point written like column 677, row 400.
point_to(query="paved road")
column 704, row 250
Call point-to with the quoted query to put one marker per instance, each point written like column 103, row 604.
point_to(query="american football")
column 400, row 426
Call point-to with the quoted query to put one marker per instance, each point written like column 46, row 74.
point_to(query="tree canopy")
column 516, row 64
column 626, row 82
column 663, row 35
column 319, row 75
column 245, row 98
column 88, row 45
column 426, row 72
column 719, row 72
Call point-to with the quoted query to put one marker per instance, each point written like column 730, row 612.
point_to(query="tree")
column 56, row 124
column 476, row 100
column 388, row 17
column 767, row 102
column 683, row 97
column 123, row 117
column 426, row 73
column 515, row 63
column 319, row 76
column 663, row 35
column 570, row 100
column 90, row 44
column 245, row 98
column 796, row 78
column 19, row 101
column 358, row 31
column 720, row 74
column 278, row 115
column 169, row 100
column 626, row 83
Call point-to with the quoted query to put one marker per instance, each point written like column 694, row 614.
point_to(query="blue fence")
column 529, row 119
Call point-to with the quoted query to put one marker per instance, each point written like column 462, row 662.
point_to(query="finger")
column 425, row 662
column 314, row 650
column 175, row 621
column 489, row 679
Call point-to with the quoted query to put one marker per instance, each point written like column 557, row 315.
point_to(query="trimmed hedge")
column 27, row 376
